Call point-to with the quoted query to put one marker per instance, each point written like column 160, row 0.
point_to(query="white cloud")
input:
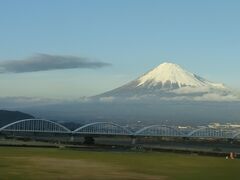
column 107, row 99
column 216, row 97
column 47, row 62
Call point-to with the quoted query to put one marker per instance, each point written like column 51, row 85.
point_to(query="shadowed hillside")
column 7, row 117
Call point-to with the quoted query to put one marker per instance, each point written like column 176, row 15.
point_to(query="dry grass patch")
column 58, row 168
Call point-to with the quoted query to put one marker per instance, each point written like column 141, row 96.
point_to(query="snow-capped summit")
column 170, row 81
column 172, row 75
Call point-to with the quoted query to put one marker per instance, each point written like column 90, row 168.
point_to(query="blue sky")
column 132, row 35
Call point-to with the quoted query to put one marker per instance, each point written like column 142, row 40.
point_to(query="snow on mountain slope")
column 170, row 81
column 169, row 73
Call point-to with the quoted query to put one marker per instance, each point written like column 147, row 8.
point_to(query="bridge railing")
column 207, row 132
column 160, row 130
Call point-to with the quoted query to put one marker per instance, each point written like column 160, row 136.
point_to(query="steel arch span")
column 35, row 125
column 236, row 135
column 103, row 128
column 159, row 130
column 207, row 132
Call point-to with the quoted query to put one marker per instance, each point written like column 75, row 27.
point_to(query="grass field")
column 49, row 163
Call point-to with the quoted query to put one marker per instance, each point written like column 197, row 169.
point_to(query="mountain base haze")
column 165, row 112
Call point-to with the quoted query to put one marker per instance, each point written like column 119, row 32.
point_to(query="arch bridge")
column 103, row 128
column 35, row 125
column 112, row 129
column 159, row 130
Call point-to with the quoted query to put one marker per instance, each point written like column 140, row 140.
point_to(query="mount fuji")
column 167, row 94
column 169, row 81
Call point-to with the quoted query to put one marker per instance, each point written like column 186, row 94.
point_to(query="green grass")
column 50, row 163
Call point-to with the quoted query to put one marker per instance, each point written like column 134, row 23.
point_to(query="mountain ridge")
column 169, row 80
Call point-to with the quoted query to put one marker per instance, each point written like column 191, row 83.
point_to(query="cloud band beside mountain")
column 46, row 62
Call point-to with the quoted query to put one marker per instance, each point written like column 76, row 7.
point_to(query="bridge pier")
column 72, row 138
column 88, row 140
column 134, row 139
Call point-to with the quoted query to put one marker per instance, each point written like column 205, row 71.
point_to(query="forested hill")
column 7, row 117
